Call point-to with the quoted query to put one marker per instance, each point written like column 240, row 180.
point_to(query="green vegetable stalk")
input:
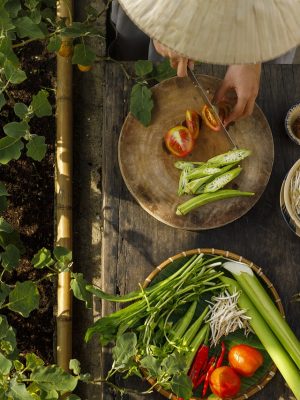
column 262, row 301
column 276, row 351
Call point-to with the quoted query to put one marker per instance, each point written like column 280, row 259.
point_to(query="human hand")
column 176, row 60
column 244, row 79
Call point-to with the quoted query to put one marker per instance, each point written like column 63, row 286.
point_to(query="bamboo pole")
column 63, row 189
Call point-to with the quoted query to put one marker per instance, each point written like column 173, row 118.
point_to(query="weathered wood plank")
column 134, row 242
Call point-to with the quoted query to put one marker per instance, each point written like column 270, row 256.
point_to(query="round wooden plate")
column 148, row 169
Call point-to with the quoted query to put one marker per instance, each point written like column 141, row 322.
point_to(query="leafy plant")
column 25, row 376
column 23, row 22
column 141, row 102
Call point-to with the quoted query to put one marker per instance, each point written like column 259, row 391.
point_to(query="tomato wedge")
column 192, row 120
column 179, row 141
column 208, row 116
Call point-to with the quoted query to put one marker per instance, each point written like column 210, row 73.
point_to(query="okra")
column 193, row 186
column 194, row 328
column 206, row 198
column 198, row 340
column 231, row 156
column 203, row 170
column 182, row 325
column 183, row 181
column 221, row 180
column 200, row 188
column 187, row 164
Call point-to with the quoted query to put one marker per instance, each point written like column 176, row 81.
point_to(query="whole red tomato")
column 224, row 382
column 245, row 360
column 179, row 141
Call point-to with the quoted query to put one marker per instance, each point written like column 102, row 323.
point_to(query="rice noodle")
column 295, row 193
column 225, row 316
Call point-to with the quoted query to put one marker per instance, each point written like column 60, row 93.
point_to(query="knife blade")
column 206, row 100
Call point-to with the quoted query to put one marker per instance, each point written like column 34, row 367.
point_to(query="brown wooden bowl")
column 268, row 284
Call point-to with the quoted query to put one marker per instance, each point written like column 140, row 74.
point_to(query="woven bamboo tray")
column 268, row 284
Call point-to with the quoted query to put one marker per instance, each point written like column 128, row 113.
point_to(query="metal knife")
column 206, row 100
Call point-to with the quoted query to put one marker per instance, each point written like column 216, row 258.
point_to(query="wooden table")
column 134, row 242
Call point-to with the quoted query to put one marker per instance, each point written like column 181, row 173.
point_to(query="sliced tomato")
column 192, row 119
column 179, row 141
column 208, row 116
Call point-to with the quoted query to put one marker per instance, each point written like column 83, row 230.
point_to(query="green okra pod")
column 206, row 198
column 220, row 181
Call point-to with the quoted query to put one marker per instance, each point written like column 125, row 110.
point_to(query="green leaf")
column 24, row 298
column 181, row 385
column 33, row 361
column 36, row 16
column 10, row 238
column 3, row 204
column 174, row 363
column 18, row 365
column 26, row 28
column 54, row 43
column 4, row 292
column 141, row 103
column 55, row 377
column 10, row 149
column 13, row 7
column 40, row 104
column 78, row 29
column 20, row 110
column 5, row 21
column 152, row 365
column 16, row 130
column 74, row 366
column 83, row 55
column 10, row 257
column 13, row 73
column 8, row 340
column 163, row 71
column 73, row 397
column 18, row 391
column 125, row 349
column 78, row 285
column 42, row 259
column 62, row 254
column 3, row 191
column 7, row 49
column 36, row 148
column 2, row 101
column 143, row 67
column 5, row 365
column 5, row 226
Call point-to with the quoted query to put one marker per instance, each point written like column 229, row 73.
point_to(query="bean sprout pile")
column 225, row 316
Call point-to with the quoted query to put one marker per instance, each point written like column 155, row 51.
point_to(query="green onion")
column 278, row 354
column 261, row 300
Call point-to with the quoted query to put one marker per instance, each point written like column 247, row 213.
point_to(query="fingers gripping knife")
column 206, row 100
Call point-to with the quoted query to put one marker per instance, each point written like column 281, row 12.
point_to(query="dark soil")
column 31, row 202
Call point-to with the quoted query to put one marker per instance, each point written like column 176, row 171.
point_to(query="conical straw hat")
column 220, row 31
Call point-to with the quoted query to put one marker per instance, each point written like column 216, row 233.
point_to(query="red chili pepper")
column 221, row 358
column 201, row 377
column 207, row 376
column 199, row 363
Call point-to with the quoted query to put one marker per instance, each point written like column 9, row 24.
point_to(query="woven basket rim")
column 231, row 256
